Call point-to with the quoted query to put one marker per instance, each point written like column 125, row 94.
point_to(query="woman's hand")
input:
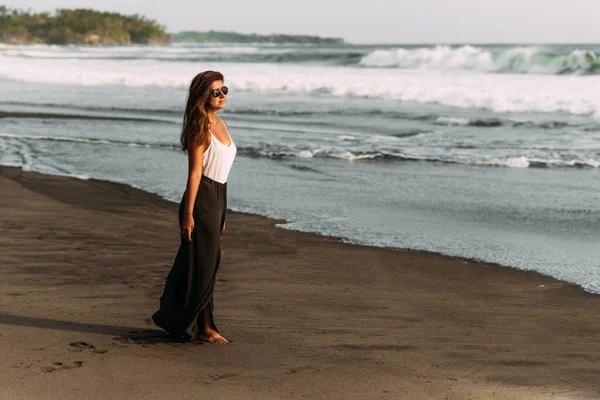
column 187, row 226
column 224, row 224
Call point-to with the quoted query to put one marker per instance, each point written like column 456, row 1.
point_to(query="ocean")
column 488, row 152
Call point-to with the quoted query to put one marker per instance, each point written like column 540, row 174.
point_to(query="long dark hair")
column 195, row 120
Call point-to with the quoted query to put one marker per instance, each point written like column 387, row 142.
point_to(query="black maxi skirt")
column 190, row 284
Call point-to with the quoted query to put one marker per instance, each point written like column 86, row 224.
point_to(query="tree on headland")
column 85, row 26
column 78, row 26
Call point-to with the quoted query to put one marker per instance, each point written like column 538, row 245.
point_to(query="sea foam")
column 456, row 87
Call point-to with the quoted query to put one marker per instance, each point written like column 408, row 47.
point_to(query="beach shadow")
column 123, row 334
column 46, row 323
column 152, row 336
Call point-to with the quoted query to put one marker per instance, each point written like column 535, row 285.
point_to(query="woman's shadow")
column 121, row 333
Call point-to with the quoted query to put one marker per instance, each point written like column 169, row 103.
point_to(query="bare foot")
column 212, row 336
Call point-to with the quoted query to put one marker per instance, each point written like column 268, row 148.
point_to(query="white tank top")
column 218, row 159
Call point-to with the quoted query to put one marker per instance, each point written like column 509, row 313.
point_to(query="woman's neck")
column 212, row 117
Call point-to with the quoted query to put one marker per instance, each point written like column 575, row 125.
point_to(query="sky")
column 368, row 21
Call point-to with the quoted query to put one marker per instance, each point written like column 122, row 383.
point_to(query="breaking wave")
column 526, row 60
column 557, row 60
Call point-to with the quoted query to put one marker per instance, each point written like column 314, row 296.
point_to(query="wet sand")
column 83, row 263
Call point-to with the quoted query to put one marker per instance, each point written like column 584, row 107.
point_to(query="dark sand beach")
column 83, row 263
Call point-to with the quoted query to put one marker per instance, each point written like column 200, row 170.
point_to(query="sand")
column 83, row 263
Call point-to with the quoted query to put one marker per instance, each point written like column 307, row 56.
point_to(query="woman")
column 187, row 302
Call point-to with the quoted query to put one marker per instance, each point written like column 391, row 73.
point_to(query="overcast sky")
column 369, row 21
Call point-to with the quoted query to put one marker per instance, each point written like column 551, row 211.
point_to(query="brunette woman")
column 186, row 306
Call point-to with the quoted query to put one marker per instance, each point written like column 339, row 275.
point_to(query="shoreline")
column 276, row 222
column 309, row 315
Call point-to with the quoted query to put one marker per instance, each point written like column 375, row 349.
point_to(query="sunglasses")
column 217, row 92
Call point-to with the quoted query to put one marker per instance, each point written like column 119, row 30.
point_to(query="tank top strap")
column 226, row 128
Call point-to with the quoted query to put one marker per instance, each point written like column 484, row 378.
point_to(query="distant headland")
column 90, row 27
column 78, row 26
column 233, row 37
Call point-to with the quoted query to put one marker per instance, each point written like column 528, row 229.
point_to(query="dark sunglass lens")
column 225, row 89
column 216, row 93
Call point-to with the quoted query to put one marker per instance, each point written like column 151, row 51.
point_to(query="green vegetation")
column 232, row 37
column 83, row 26
column 79, row 26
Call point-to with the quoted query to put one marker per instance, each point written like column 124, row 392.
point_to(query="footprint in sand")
column 218, row 377
column 57, row 366
column 80, row 346
column 302, row 368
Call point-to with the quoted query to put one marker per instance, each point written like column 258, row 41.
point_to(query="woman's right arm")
column 195, row 159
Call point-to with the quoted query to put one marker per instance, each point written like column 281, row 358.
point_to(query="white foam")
column 514, row 162
column 346, row 137
column 305, row 154
column 456, row 88
column 349, row 156
column 452, row 121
